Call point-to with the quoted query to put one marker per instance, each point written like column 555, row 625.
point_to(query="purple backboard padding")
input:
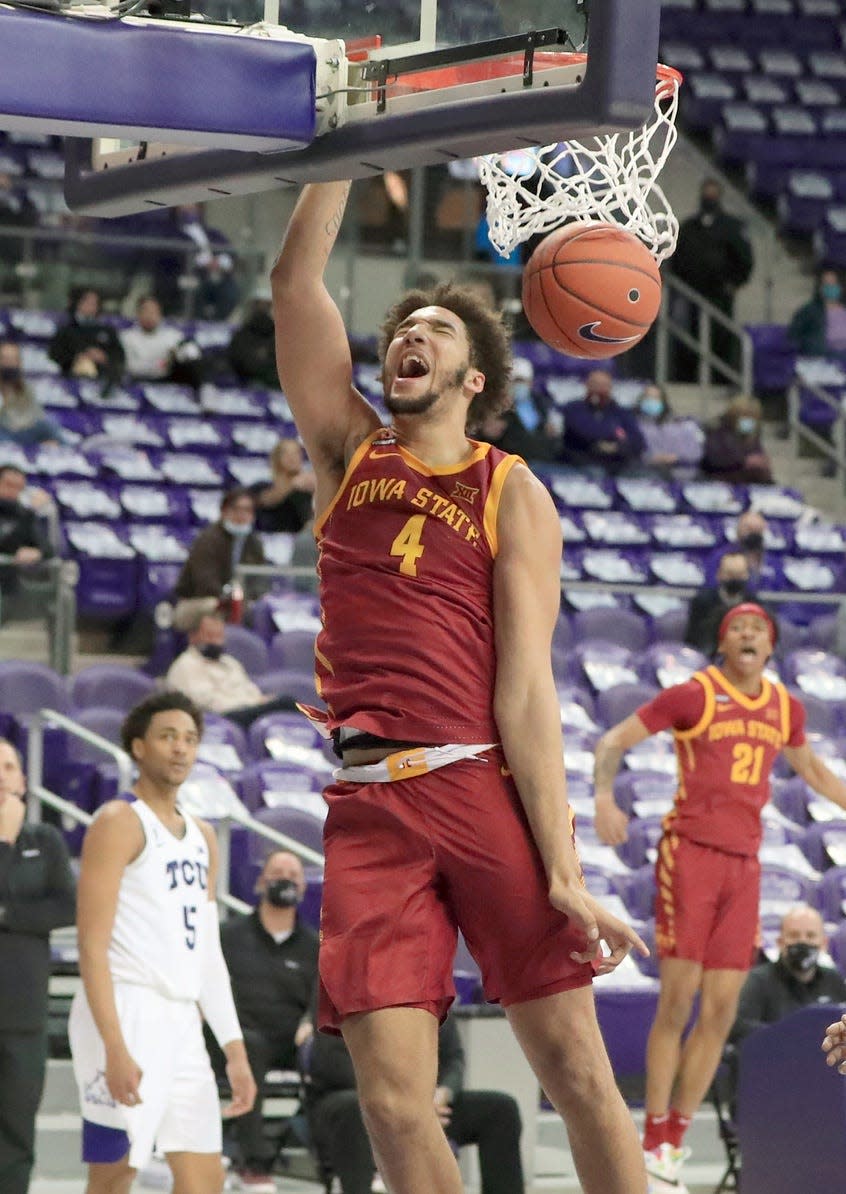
column 617, row 92
column 65, row 69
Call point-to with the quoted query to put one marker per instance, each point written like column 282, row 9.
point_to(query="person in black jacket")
column 714, row 257
column 85, row 346
column 252, row 349
column 709, row 606
column 487, row 1118
column 272, row 961
column 37, row 894
column 22, row 534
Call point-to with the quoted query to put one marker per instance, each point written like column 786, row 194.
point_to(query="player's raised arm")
column 612, row 824
column 312, row 349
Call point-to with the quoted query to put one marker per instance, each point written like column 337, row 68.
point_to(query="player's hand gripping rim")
column 598, row 926
column 834, row 1044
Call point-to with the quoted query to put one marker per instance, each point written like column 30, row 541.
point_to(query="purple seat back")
column 110, row 684
column 297, row 685
column 621, row 626
column 292, row 649
column 247, row 648
column 26, row 687
column 617, row 703
column 301, row 826
column 100, row 719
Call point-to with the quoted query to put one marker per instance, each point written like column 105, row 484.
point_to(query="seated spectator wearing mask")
column 271, row 957
column 23, row 536
column 218, row 682
column 216, row 553
column 818, row 328
column 751, row 529
column 287, row 503
column 794, row 980
column 599, row 434
column 673, row 446
column 85, row 346
column 252, row 349
column 149, row 345
column 22, row 419
column 708, row 608
column 733, row 451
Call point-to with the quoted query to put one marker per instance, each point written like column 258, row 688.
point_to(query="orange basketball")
column 591, row 290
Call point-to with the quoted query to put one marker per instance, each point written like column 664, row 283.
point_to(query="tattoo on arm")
column 333, row 224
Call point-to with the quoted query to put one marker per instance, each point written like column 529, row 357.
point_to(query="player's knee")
column 109, row 1179
column 390, row 1112
column 578, row 1081
column 717, row 1017
column 675, row 1008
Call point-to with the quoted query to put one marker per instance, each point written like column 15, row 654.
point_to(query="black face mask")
column 282, row 893
column 733, row 587
column 10, row 373
column 211, row 650
column 708, row 205
column 801, row 957
column 754, row 541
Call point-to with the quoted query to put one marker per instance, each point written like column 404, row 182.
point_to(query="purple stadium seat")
column 820, row 716
column 220, row 731
column 633, row 787
column 290, row 682
column 670, row 627
column 27, row 687
column 670, row 663
column 644, row 835
column 247, row 648
column 806, row 662
column 817, row 839
column 294, row 823
column 781, row 885
column 617, row 703
column 837, row 947
column 562, row 635
column 822, row 632
column 292, row 649
column 110, row 684
column 831, row 894
column 271, row 784
column 291, row 728
column 790, row 796
column 620, row 626
column 639, row 893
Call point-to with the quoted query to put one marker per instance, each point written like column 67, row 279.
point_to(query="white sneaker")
column 663, row 1166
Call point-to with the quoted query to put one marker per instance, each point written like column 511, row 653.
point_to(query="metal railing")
column 48, row 589
column 834, row 449
column 671, row 331
column 41, row 795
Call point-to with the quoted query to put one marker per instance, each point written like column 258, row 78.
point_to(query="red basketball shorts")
column 408, row 864
column 706, row 904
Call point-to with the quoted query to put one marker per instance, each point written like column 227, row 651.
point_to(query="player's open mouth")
column 412, row 366
column 749, row 652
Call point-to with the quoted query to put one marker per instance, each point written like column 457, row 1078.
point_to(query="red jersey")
column 726, row 744
column 406, row 583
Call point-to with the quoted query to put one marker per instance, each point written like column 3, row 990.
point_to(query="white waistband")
column 406, row 764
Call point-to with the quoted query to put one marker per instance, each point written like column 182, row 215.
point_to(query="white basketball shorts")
column 179, row 1109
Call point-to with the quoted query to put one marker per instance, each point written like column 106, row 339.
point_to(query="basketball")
column 591, row 290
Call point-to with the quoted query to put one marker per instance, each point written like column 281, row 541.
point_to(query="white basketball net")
column 609, row 178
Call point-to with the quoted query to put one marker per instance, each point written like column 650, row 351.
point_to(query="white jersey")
column 160, row 929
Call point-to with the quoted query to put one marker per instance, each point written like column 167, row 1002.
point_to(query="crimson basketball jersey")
column 406, row 556
column 726, row 744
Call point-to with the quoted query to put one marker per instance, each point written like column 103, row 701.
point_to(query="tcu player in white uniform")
column 151, row 963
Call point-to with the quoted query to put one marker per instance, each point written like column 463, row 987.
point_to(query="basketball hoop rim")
column 668, row 79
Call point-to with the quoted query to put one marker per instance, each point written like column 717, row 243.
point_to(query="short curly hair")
column 490, row 343
column 137, row 721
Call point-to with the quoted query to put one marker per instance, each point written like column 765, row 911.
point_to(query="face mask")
column 282, row 893
column 733, row 587
column 85, row 321
column 801, row 957
column 652, row 408
column 831, row 291
column 211, row 650
column 598, row 399
column 708, row 204
column 754, row 541
column 746, row 425
column 237, row 528
column 10, row 373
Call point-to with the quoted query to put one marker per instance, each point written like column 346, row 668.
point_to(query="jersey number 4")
column 407, row 544
column 748, row 761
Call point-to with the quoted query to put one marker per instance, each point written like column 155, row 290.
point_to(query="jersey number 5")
column 407, row 544
column 748, row 761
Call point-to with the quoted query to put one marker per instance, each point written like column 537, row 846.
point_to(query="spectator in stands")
column 714, row 257
column 36, row 895
column 22, row 419
column 85, row 346
column 600, row 434
column 22, row 536
column 487, row 1118
column 219, row 549
column 673, row 446
column 149, row 345
column 208, row 257
column 218, row 682
column 733, row 449
column 252, row 349
column 795, row 979
column 710, row 605
column 751, row 529
column 272, row 961
column 525, row 428
column 286, row 504
column 16, row 211
column 818, row 328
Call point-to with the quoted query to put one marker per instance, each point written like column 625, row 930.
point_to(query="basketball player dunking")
column 151, row 962
column 729, row 724
column 439, row 569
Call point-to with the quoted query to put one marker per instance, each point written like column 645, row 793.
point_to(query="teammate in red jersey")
column 729, row 724
column 439, row 566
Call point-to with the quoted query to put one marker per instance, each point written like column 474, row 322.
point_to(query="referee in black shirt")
column 37, row 894
column 272, row 961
